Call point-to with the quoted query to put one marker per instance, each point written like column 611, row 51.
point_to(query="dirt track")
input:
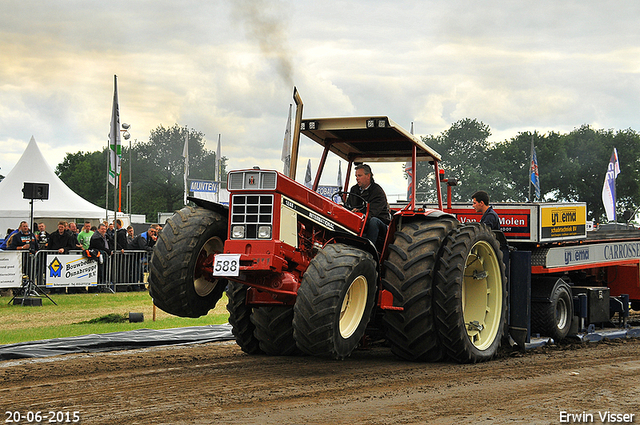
column 218, row 383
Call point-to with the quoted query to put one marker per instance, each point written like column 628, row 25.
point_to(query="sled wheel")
column 409, row 273
column 335, row 301
column 240, row 318
column 181, row 278
column 471, row 294
column 552, row 317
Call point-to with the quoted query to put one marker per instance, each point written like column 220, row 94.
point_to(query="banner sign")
column 10, row 269
column 70, row 270
column 563, row 221
column 327, row 191
column 590, row 254
column 204, row 186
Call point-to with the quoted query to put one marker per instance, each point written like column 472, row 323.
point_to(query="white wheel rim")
column 562, row 314
column 482, row 295
column 353, row 306
column 203, row 286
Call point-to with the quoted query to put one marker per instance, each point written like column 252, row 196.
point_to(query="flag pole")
column 185, row 154
column 530, row 169
column 218, row 169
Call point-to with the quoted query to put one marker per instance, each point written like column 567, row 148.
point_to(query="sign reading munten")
column 204, row 186
column 70, row 270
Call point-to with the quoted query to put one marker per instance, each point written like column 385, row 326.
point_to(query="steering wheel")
column 363, row 206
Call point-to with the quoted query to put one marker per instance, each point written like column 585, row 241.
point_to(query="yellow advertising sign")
column 562, row 221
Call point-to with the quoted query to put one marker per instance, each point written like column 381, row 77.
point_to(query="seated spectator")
column 62, row 240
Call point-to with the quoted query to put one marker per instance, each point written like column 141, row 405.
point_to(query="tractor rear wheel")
column 335, row 301
column 240, row 318
column 274, row 330
column 181, row 278
column 471, row 294
column 409, row 274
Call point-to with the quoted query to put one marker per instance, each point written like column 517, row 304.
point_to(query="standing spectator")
column 111, row 231
column 130, row 234
column 5, row 242
column 143, row 242
column 84, row 237
column 23, row 239
column 42, row 236
column 62, row 240
column 121, row 236
column 101, row 242
column 74, row 231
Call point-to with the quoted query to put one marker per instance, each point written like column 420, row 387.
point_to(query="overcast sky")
column 229, row 67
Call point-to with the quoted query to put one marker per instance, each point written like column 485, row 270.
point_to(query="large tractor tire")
column 335, row 301
column 410, row 270
column 240, row 318
column 180, row 275
column 274, row 330
column 471, row 294
column 551, row 308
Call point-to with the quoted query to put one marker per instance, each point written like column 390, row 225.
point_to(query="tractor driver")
column 367, row 189
column 480, row 202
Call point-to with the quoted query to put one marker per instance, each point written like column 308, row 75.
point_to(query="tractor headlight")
column 264, row 232
column 237, row 232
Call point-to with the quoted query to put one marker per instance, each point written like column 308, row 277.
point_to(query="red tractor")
column 301, row 278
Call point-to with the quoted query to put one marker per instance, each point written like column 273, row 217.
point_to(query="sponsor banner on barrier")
column 10, row 269
column 70, row 270
column 601, row 253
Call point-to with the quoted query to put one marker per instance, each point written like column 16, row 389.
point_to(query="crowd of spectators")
column 106, row 238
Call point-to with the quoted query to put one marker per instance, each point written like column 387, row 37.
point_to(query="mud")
column 218, row 383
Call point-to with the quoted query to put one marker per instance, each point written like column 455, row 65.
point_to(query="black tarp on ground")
column 139, row 338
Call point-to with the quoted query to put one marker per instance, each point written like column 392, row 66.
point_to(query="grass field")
column 18, row 323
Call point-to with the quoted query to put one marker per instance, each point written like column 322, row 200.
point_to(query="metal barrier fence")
column 121, row 268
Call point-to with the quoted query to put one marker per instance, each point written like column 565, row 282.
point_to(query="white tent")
column 63, row 203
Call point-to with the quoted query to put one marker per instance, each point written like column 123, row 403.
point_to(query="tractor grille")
column 251, row 212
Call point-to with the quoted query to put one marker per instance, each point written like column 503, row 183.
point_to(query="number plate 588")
column 226, row 265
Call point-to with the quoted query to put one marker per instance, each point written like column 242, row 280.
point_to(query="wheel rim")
column 482, row 295
column 353, row 306
column 562, row 313
column 203, row 280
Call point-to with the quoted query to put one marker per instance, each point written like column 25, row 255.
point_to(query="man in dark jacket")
column 480, row 202
column 121, row 237
column 367, row 189
column 23, row 240
column 62, row 240
column 102, row 243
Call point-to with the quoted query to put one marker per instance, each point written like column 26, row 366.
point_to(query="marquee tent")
column 63, row 203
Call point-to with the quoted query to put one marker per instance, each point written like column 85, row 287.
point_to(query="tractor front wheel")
column 181, row 280
column 335, row 301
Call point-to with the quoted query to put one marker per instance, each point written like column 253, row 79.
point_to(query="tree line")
column 572, row 166
column 157, row 171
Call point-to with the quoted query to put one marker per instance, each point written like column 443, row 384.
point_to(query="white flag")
column 307, row 176
column 286, row 145
column 339, row 175
column 115, row 142
column 609, row 187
